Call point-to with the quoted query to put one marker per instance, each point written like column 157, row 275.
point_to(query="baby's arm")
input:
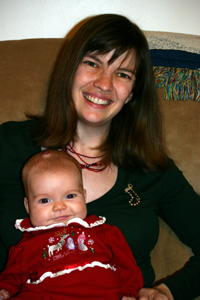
column 4, row 294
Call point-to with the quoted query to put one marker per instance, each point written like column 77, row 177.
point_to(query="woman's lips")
column 96, row 100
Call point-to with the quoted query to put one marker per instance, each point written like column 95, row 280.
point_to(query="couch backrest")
column 24, row 73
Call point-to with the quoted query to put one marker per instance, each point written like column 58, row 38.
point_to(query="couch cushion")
column 182, row 132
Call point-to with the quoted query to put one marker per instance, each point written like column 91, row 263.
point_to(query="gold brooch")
column 129, row 190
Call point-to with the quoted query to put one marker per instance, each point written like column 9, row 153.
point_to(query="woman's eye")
column 70, row 196
column 44, row 200
column 123, row 75
column 90, row 63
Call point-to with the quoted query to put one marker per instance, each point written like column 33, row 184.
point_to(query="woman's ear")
column 129, row 98
column 26, row 204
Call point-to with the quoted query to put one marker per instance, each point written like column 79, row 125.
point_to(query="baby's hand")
column 4, row 294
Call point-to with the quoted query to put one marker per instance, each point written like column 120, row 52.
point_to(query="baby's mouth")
column 96, row 100
column 63, row 217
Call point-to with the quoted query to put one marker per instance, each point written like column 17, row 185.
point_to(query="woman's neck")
column 89, row 138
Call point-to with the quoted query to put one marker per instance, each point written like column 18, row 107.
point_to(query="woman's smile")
column 96, row 100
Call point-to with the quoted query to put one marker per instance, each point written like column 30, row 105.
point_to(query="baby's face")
column 55, row 197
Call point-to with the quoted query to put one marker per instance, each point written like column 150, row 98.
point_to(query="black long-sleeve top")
column 164, row 194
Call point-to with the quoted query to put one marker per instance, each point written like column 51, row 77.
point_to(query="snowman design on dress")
column 81, row 239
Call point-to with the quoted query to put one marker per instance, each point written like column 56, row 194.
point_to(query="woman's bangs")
column 101, row 47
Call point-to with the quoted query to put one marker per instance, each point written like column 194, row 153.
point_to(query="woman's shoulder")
column 16, row 126
column 162, row 181
column 14, row 130
column 163, row 173
column 16, row 137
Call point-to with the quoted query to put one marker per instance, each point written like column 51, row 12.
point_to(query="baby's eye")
column 123, row 75
column 70, row 196
column 44, row 200
column 90, row 63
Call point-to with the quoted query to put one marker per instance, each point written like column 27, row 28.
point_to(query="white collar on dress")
column 74, row 220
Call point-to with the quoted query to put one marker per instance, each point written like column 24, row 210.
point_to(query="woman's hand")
column 4, row 294
column 160, row 292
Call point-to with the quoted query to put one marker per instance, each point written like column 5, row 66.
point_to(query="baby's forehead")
column 62, row 166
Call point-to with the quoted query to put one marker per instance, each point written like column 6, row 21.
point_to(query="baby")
column 63, row 253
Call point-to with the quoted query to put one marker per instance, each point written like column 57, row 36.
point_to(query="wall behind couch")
column 21, row 19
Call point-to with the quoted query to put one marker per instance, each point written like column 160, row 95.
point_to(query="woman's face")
column 100, row 89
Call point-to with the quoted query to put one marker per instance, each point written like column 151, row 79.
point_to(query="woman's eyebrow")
column 93, row 57
column 127, row 70
column 96, row 58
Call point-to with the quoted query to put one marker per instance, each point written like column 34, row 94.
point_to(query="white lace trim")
column 74, row 220
column 67, row 271
column 18, row 226
column 98, row 222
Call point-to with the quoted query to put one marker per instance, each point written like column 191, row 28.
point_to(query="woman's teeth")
column 96, row 100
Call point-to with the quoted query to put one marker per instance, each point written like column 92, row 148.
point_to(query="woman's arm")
column 179, row 207
column 16, row 146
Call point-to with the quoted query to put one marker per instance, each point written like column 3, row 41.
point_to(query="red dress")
column 86, row 258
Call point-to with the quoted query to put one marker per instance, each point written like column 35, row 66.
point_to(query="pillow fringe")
column 178, row 83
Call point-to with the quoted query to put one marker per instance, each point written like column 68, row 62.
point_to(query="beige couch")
column 25, row 66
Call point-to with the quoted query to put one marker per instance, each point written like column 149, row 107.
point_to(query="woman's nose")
column 104, row 81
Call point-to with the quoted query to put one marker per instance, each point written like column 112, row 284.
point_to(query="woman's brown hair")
column 135, row 138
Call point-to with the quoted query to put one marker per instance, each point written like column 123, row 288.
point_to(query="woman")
column 102, row 108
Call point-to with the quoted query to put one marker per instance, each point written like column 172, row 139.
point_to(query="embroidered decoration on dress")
column 129, row 190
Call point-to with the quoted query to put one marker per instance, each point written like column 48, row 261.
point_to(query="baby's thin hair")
column 48, row 160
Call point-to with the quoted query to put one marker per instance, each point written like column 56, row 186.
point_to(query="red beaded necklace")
column 94, row 167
